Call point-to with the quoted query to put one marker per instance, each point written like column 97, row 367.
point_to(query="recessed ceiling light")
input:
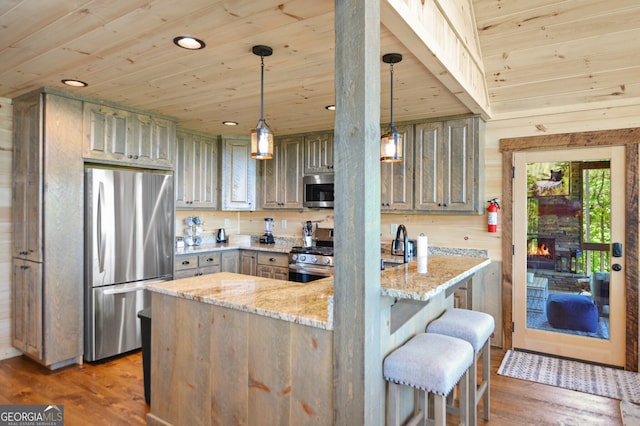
column 330, row 107
column 230, row 123
column 74, row 83
column 190, row 43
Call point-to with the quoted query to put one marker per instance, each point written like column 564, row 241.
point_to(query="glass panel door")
column 562, row 256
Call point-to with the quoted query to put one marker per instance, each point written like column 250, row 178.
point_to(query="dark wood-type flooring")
column 111, row 393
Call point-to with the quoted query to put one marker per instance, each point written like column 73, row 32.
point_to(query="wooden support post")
column 359, row 387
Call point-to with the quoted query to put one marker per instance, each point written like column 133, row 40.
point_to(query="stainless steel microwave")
column 318, row 191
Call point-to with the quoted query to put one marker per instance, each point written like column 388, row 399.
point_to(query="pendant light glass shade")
column 262, row 136
column 262, row 141
column 391, row 142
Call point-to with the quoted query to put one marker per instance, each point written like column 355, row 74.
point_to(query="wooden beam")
column 443, row 36
column 359, row 388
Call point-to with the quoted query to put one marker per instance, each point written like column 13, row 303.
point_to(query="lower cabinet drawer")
column 208, row 259
column 185, row 273
column 273, row 259
column 212, row 269
column 186, row 262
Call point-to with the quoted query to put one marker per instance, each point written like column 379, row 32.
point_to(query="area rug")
column 630, row 414
column 574, row 375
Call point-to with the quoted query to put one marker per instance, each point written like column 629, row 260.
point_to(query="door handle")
column 102, row 237
column 616, row 267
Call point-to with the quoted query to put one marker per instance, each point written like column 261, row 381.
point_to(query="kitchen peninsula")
column 235, row 349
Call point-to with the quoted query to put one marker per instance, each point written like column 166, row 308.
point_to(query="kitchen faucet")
column 396, row 243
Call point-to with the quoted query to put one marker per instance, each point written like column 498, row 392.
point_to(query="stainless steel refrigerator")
column 129, row 234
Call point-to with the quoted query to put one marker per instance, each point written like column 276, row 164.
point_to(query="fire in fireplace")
column 541, row 253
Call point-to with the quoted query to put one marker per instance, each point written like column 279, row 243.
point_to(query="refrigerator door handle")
column 102, row 238
column 123, row 290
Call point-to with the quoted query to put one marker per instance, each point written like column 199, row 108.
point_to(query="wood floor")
column 111, row 393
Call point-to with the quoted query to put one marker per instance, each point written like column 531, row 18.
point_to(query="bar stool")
column 476, row 328
column 432, row 364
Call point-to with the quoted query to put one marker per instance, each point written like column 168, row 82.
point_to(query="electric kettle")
column 222, row 236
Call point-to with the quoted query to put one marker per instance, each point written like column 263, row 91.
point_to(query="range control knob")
column 327, row 261
column 303, row 257
column 314, row 259
column 294, row 257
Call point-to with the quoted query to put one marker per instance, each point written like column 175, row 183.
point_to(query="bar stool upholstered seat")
column 432, row 364
column 476, row 328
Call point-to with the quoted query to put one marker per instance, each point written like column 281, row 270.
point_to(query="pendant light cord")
column 392, row 123
column 261, row 88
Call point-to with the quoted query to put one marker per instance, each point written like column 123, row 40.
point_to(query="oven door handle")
column 306, row 269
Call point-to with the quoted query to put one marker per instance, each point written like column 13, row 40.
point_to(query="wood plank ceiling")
column 541, row 55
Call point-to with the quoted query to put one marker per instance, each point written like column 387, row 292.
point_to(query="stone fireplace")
column 554, row 249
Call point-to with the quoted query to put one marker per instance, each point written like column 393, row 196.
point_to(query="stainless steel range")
column 312, row 263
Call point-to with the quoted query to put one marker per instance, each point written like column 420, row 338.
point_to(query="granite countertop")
column 405, row 282
column 207, row 247
column 308, row 304
column 312, row 303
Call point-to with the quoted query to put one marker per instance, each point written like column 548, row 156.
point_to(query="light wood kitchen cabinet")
column 396, row 179
column 27, row 181
column 237, row 174
column 273, row 265
column 193, row 265
column 447, row 166
column 248, row 262
column 153, row 140
column 118, row 136
column 196, row 170
column 281, row 177
column 318, row 153
column 27, row 306
column 230, row 261
column 47, row 204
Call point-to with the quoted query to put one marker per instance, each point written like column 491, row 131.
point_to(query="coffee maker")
column 267, row 238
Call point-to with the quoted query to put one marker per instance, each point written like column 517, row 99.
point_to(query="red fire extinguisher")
column 492, row 220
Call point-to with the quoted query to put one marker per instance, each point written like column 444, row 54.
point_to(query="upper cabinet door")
column 153, row 141
column 237, row 174
column 196, row 170
column 428, row 188
column 27, row 179
column 459, row 173
column 396, row 179
column 281, row 177
column 447, row 166
column 107, row 134
column 116, row 136
column 318, row 154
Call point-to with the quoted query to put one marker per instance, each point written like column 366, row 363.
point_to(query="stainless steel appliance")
column 222, row 236
column 313, row 263
column 318, row 191
column 129, row 232
column 267, row 238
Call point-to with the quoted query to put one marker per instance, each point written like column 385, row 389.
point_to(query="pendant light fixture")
column 391, row 141
column 262, row 136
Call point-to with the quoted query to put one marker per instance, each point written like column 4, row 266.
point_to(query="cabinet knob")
column 185, row 262
column 210, row 259
column 272, row 259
